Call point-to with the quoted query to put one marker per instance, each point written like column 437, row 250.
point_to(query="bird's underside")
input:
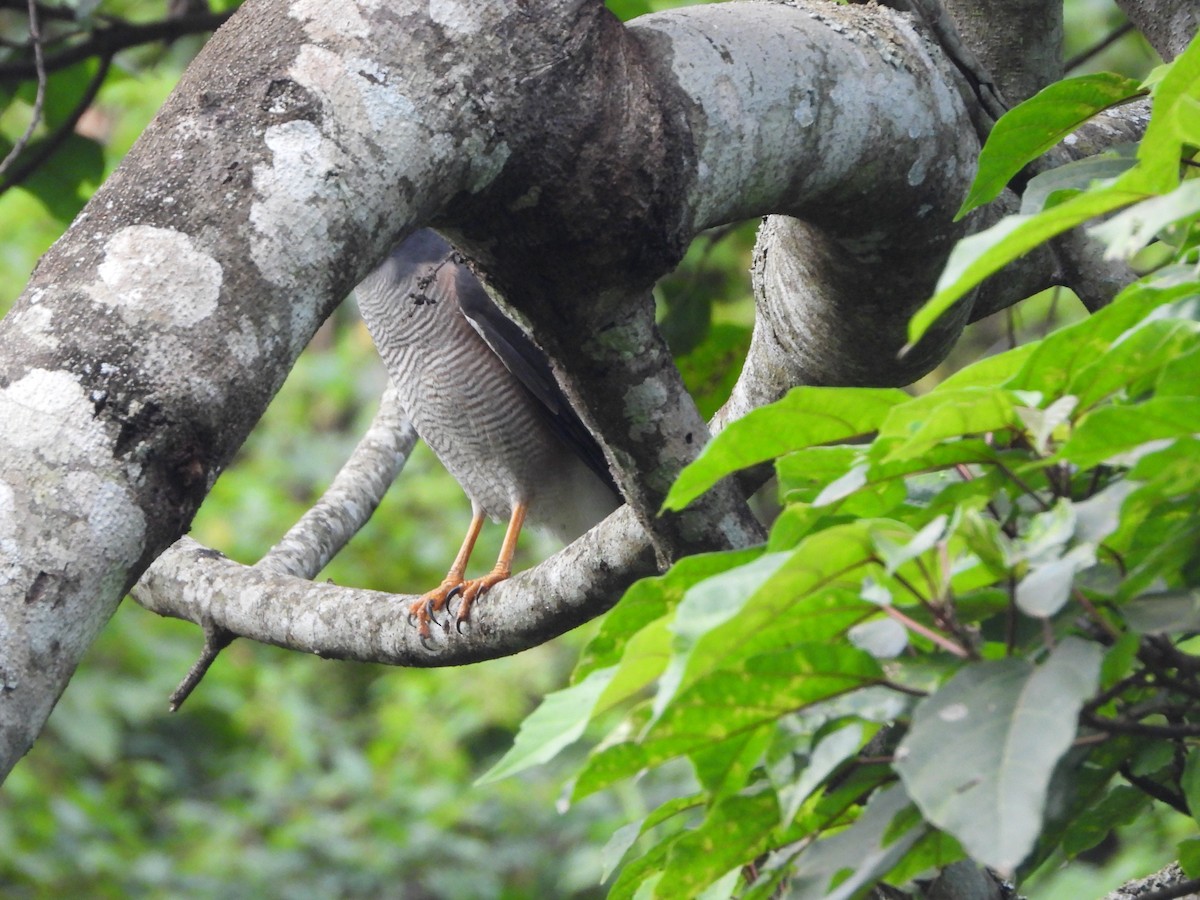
column 485, row 400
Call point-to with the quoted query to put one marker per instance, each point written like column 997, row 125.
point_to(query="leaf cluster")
column 972, row 631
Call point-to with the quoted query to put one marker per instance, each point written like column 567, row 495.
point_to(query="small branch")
column 50, row 146
column 940, row 640
column 112, row 39
column 903, row 688
column 1142, row 729
column 329, row 525
column 1184, row 889
column 1022, row 484
column 1153, row 789
column 39, row 64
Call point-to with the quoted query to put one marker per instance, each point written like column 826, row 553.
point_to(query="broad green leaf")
column 797, row 601
column 730, row 701
column 638, row 878
column 1047, row 587
column 990, row 371
column 990, row 739
column 648, row 600
column 625, row 836
column 1135, row 360
column 1162, row 145
column 866, row 850
column 807, row 416
column 829, row 753
column 736, row 831
column 983, row 254
column 1027, row 131
column 724, row 768
column 1191, row 782
column 1071, row 177
column 1166, row 612
column 557, row 722
column 1180, row 375
column 1188, row 854
column 1057, row 362
column 1133, row 228
column 1121, row 806
column 923, row 422
column 1110, row 431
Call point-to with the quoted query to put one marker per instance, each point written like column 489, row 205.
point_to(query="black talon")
column 427, row 642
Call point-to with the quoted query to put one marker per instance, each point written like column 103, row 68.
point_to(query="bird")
column 483, row 397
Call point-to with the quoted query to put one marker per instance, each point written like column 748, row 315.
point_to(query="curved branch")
column 574, row 586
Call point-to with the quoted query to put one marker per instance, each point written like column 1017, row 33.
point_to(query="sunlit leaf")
column 804, row 418
column 1028, row 130
column 735, row 831
column 559, row 721
column 1112, row 430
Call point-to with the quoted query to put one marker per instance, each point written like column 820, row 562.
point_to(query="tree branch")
column 112, row 38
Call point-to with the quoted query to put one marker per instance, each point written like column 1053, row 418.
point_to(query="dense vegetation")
column 1005, row 555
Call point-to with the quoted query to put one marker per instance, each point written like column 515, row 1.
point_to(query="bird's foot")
column 425, row 609
column 471, row 591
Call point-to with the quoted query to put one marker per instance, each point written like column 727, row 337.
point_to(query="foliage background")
column 289, row 776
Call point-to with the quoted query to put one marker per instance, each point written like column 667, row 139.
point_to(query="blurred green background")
column 286, row 775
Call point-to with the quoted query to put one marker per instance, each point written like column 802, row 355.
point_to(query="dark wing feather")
column 525, row 360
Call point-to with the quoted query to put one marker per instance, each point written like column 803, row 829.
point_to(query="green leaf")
column 1166, row 612
column 724, row 768
column 981, row 255
column 829, row 753
column 1191, row 782
column 1188, row 854
column 1162, row 145
column 862, row 853
column 923, row 422
column 807, row 416
column 1071, row 178
column 1135, row 359
column 790, row 602
column 557, row 722
column 1047, row 587
column 625, row 836
column 990, row 739
column 648, row 600
column 1057, row 363
column 736, row 831
column 1132, row 229
column 1110, row 431
column 1121, row 806
column 1027, row 131
column 727, row 702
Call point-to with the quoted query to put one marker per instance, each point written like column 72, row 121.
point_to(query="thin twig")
column 1153, row 789
column 39, row 63
column 112, row 39
column 944, row 642
column 48, row 147
column 1113, row 36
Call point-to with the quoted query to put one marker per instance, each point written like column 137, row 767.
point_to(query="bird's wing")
column 529, row 364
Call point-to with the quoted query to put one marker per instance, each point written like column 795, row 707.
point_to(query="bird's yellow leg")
column 430, row 602
column 471, row 590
